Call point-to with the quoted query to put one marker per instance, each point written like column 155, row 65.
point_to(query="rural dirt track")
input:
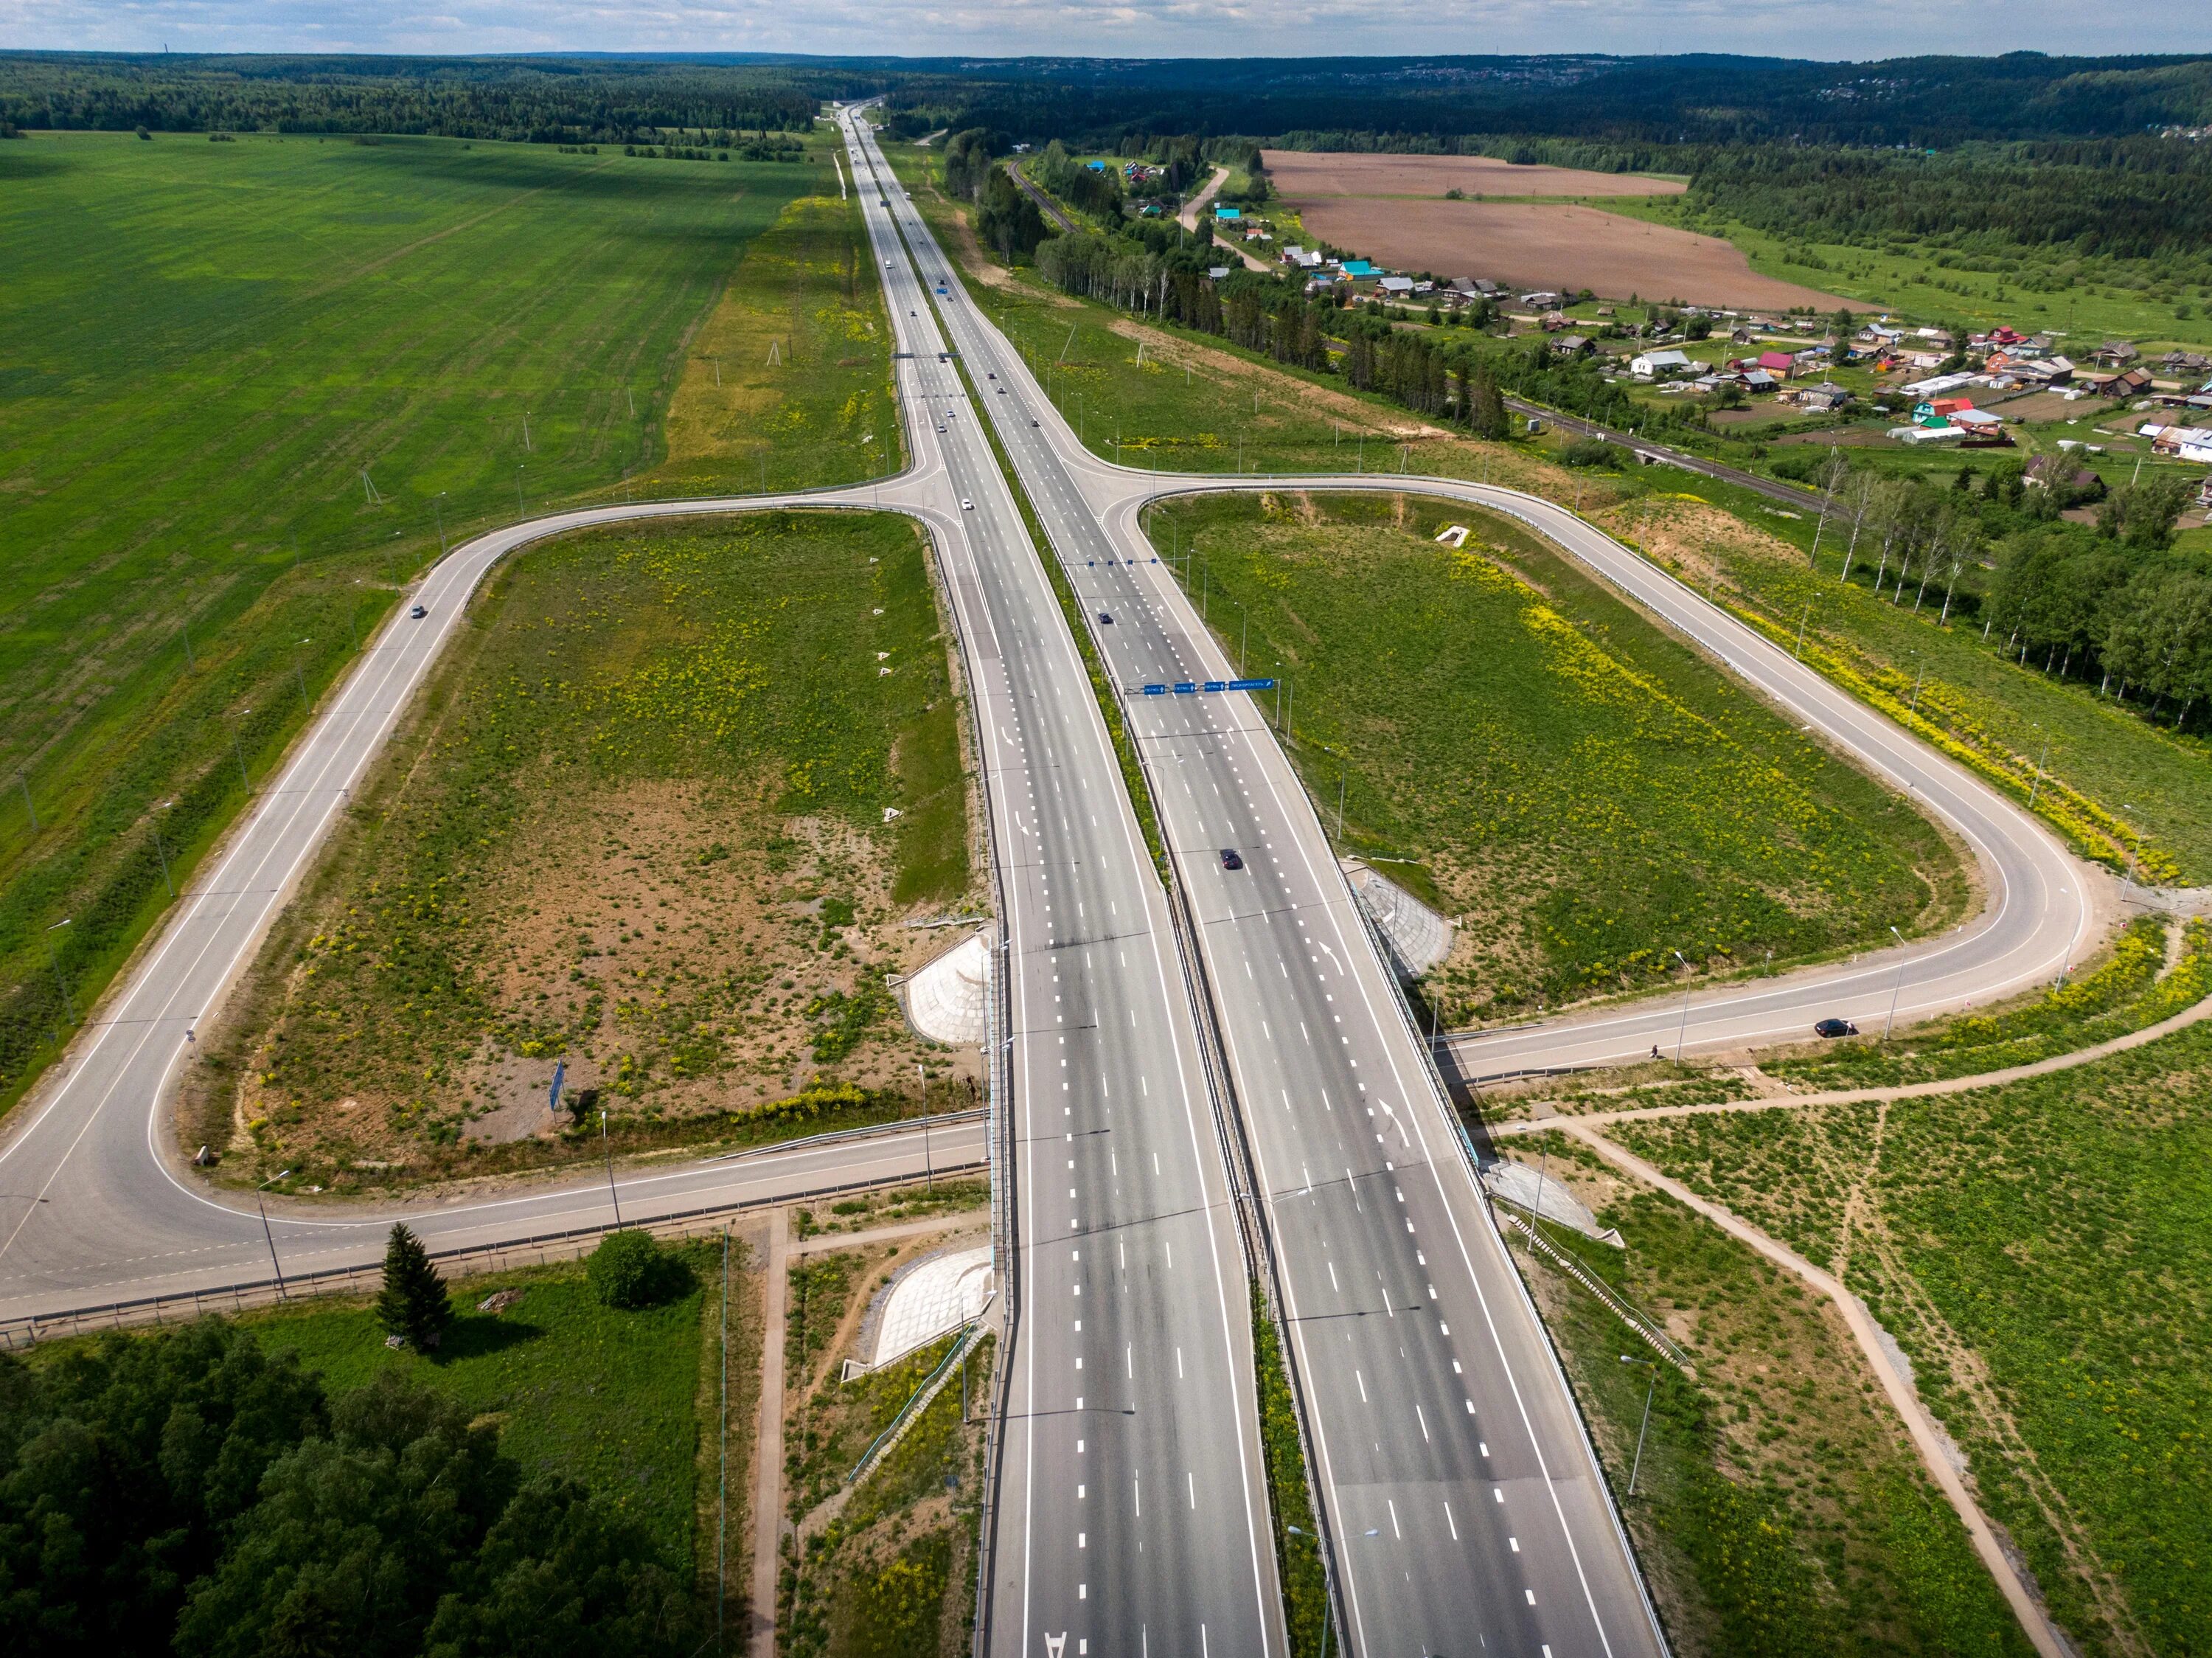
column 1299, row 174
column 1550, row 245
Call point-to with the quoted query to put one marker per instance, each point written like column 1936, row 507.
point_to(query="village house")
column 1823, row 399
column 2114, row 354
column 1650, row 365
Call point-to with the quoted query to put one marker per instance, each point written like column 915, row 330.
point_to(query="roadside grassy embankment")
column 1779, row 1507
column 659, row 814
column 884, row 1565
column 2040, row 1251
column 249, row 388
column 1577, row 783
column 2118, row 787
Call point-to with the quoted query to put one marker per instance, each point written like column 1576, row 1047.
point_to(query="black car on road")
column 1835, row 1027
column 1230, row 860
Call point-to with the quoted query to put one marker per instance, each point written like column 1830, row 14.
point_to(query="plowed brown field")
column 1299, row 174
column 1550, row 245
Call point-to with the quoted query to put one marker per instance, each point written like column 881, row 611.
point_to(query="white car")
column 966, row 505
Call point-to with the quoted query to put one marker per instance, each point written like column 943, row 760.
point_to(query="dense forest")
column 1643, row 106
column 542, row 101
column 2137, row 198
column 186, row 1492
column 1620, row 112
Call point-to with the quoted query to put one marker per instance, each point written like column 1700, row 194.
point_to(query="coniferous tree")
column 413, row 1302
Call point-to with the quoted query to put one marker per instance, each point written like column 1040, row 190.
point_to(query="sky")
column 1858, row 29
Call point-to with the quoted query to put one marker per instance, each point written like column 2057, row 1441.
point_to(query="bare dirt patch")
column 1299, row 174
column 1554, row 245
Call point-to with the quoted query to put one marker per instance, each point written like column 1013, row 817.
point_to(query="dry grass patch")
column 661, row 817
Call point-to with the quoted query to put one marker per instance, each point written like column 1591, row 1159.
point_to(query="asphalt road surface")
column 1132, row 1508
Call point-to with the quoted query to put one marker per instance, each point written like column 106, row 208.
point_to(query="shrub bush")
column 629, row 1269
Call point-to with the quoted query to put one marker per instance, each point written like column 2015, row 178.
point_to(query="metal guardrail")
column 27, row 1330
column 873, row 1131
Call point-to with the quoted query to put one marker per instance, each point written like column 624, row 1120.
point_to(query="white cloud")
column 1797, row 29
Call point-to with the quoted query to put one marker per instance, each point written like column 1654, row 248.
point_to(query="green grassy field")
column 1779, row 1509
column 640, row 824
column 787, row 383
column 2040, row 1250
column 1577, row 783
column 604, row 1396
column 2118, row 786
column 245, row 388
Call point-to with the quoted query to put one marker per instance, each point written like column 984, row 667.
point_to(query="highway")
column 1132, row 1510
column 1458, row 1491
column 1465, row 1506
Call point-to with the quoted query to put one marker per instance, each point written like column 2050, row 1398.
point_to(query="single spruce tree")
column 413, row 1302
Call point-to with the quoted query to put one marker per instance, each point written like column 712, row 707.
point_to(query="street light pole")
column 1683, row 1033
column 268, row 1236
column 1897, row 989
column 1649, row 1388
column 69, row 1009
column 613, row 1196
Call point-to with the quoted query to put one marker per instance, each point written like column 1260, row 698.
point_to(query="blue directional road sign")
column 1251, row 685
column 560, row 1076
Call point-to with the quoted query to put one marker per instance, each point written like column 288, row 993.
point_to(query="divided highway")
column 1131, row 1504
column 1464, row 1508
